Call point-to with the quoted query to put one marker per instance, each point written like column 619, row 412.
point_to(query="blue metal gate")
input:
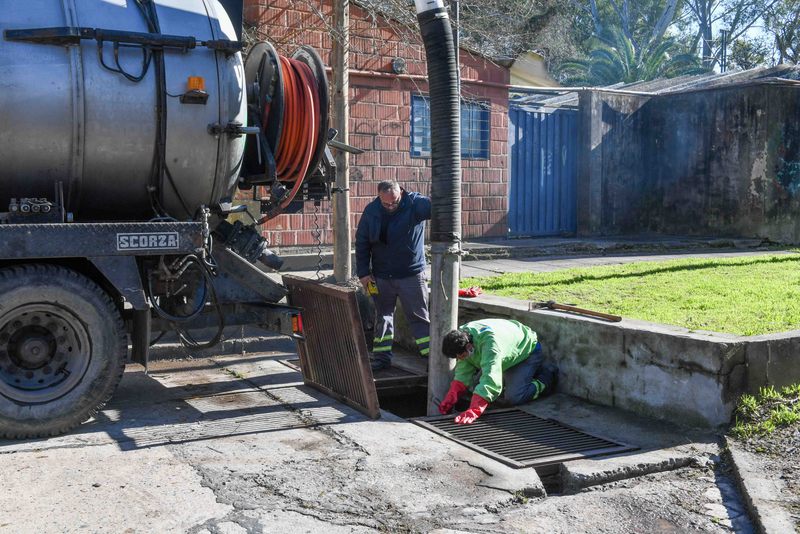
column 543, row 148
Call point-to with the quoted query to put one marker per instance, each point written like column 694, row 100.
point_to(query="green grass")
column 745, row 296
column 757, row 415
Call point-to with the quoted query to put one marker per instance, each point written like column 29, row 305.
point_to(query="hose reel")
column 288, row 101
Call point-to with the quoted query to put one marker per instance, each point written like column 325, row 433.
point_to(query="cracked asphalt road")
column 237, row 444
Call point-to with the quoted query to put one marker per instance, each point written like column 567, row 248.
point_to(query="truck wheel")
column 62, row 350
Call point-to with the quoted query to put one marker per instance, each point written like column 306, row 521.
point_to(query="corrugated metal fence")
column 543, row 147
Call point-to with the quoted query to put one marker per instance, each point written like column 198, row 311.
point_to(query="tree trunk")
column 664, row 21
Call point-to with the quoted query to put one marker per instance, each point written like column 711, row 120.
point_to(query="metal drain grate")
column 520, row 439
column 333, row 355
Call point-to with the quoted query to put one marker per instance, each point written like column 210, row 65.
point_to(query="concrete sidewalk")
column 501, row 265
column 505, row 250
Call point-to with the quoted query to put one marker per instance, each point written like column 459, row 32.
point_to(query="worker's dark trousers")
column 521, row 383
column 413, row 295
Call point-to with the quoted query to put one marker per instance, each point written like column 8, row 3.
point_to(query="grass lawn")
column 745, row 296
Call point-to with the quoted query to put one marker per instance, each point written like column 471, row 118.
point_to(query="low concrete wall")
column 773, row 360
column 690, row 378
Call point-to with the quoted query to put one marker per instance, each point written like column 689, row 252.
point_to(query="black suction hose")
column 443, row 87
column 445, row 188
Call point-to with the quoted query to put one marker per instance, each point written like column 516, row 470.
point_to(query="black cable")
column 146, row 57
column 181, row 318
column 158, row 338
column 177, row 193
column 154, row 189
column 184, row 336
column 176, row 320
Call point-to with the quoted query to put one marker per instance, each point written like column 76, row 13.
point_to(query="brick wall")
column 380, row 110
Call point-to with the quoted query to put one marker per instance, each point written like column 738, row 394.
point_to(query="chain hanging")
column 317, row 234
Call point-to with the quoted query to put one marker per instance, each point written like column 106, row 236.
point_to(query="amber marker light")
column 196, row 83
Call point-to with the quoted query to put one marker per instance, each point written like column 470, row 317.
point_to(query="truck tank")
column 65, row 117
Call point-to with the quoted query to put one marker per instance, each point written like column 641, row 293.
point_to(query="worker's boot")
column 545, row 379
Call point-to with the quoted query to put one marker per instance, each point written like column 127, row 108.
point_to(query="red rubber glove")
column 476, row 408
column 472, row 291
column 450, row 400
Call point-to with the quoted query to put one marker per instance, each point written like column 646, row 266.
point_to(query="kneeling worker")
column 509, row 358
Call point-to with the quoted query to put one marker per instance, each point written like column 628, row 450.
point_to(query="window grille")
column 475, row 128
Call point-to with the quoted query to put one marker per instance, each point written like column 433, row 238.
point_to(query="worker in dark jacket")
column 390, row 262
column 505, row 357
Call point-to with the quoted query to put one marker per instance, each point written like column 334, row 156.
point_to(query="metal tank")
column 65, row 118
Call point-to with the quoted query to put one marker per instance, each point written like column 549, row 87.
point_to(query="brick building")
column 389, row 116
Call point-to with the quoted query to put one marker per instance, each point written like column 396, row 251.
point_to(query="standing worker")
column 390, row 262
column 508, row 356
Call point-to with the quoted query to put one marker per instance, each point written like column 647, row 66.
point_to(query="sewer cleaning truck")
column 129, row 129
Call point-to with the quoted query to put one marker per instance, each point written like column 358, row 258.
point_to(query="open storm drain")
column 393, row 377
column 520, row 439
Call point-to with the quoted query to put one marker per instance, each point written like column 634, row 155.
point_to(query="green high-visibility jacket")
column 499, row 344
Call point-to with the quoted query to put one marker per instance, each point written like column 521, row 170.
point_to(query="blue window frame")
column 475, row 128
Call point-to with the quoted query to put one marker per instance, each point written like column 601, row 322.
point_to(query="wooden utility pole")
column 341, row 117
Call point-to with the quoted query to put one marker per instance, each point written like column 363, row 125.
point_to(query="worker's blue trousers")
column 519, row 385
column 413, row 294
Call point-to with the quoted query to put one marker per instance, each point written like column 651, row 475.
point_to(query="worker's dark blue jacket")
column 402, row 253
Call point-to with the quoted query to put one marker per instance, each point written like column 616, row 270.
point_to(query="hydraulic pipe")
column 437, row 36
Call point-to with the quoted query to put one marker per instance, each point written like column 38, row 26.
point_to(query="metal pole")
column 341, row 113
column 443, row 84
column 445, row 268
column 723, row 62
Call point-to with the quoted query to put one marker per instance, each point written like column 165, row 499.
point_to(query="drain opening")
column 406, row 402
column 550, row 476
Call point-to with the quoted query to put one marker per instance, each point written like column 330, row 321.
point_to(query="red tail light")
column 297, row 324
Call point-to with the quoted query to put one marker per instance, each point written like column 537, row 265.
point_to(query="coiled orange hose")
column 300, row 131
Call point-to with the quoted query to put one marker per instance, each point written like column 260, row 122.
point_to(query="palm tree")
column 616, row 60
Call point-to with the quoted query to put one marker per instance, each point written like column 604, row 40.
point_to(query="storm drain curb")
column 758, row 493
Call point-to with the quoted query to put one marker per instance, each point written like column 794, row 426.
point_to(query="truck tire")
column 62, row 350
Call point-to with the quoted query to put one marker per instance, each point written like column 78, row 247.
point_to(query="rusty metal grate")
column 520, row 439
column 333, row 355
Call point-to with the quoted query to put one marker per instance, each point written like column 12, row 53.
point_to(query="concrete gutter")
column 761, row 494
column 578, row 475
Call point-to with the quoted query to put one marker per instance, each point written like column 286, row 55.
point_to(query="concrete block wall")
column 720, row 162
column 380, row 115
column 670, row 373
